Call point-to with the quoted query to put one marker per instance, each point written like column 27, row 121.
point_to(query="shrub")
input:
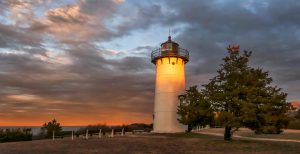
column 13, row 135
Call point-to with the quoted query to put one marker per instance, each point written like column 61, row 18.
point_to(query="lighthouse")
column 169, row 60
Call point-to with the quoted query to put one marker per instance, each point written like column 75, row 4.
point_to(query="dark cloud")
column 143, row 18
column 269, row 28
column 14, row 37
column 98, row 7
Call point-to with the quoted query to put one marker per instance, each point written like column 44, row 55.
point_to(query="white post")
column 87, row 134
column 53, row 135
column 122, row 132
column 112, row 133
column 72, row 135
column 100, row 135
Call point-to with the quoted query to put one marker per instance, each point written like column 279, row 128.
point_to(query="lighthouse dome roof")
column 169, row 41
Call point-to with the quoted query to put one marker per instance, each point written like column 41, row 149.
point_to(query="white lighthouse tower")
column 170, row 82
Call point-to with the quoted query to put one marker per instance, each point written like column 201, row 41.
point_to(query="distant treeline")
column 13, row 135
column 53, row 127
column 104, row 128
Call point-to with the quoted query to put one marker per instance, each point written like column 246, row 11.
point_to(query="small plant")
column 50, row 127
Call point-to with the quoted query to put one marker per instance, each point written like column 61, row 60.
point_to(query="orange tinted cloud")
column 32, row 110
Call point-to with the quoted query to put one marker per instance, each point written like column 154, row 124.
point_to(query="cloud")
column 13, row 37
column 70, row 25
column 52, row 63
column 268, row 28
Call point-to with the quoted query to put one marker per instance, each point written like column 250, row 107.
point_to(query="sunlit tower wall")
column 169, row 60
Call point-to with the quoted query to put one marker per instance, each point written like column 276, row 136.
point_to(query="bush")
column 268, row 130
column 13, row 135
column 295, row 122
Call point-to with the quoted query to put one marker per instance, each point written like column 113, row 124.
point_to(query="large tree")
column 194, row 110
column 243, row 96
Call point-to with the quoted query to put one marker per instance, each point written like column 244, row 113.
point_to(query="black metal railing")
column 159, row 53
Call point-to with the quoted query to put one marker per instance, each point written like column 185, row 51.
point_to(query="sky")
column 88, row 61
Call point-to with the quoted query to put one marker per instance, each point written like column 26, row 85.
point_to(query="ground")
column 287, row 134
column 151, row 143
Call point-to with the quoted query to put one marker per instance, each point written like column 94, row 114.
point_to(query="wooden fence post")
column 100, row 135
column 87, row 134
column 72, row 135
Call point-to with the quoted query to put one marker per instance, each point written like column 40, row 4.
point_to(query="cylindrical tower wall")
column 170, row 82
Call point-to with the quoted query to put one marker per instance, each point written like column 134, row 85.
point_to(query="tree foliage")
column 13, row 135
column 243, row 96
column 295, row 122
column 194, row 110
column 50, row 127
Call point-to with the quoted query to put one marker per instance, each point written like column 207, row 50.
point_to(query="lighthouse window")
column 169, row 46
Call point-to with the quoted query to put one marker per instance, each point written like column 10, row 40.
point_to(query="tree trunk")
column 227, row 133
column 189, row 128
